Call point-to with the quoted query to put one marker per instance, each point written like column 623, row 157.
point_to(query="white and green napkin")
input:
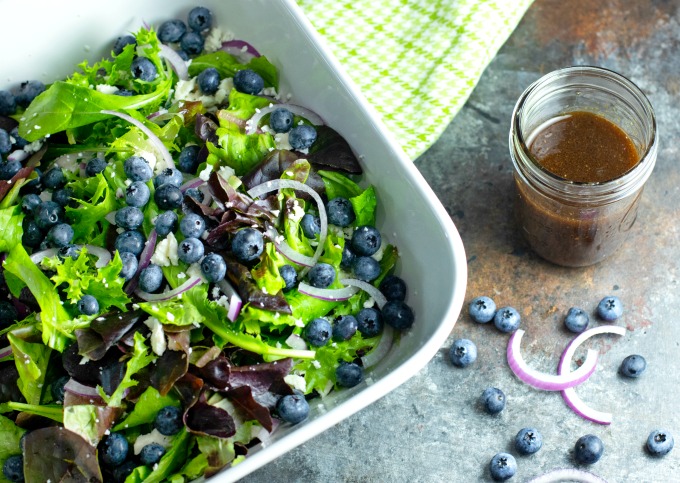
column 416, row 61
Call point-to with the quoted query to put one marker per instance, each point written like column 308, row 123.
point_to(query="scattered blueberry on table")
column 503, row 466
column 507, row 319
column 633, row 366
column 482, row 309
column 528, row 441
column 463, row 352
column 493, row 400
column 576, row 320
column 588, row 449
column 610, row 308
column 660, row 442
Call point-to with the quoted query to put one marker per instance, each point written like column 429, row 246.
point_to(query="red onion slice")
column 240, row 46
column 570, row 397
column 568, row 474
column 157, row 297
column 330, row 294
column 284, row 249
column 235, row 301
column 78, row 389
column 541, row 380
column 380, row 351
column 278, row 184
column 144, row 260
column 5, row 352
column 178, row 64
column 102, row 254
column 311, row 116
column 368, row 288
column 194, row 183
column 152, row 137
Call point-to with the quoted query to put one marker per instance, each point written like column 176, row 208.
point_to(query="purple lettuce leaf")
column 332, row 152
column 170, row 367
column 104, row 332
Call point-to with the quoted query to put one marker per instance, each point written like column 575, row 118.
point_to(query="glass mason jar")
column 579, row 223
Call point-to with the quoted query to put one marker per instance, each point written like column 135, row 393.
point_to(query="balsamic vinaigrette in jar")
column 583, row 147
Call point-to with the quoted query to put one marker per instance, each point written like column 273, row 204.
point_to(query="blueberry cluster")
column 503, row 466
column 281, row 120
column 187, row 36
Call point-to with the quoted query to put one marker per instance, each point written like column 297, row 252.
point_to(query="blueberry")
column 366, row 240
column 113, row 450
column 289, row 276
column 369, row 322
column 506, row 319
column 120, row 473
column 633, row 366
column 69, row 251
column 5, row 142
column 130, row 241
column 8, row 105
column 53, row 178
column 610, row 308
column 493, row 400
column 95, row 166
column 321, row 275
column 137, row 194
column 200, row 19
column 151, row 454
column 660, row 442
column 302, row 137
column 57, row 388
column 528, row 441
column 293, row 408
column 165, row 223
column 348, row 257
column 170, row 176
column 8, row 314
column 318, row 332
column 192, row 225
column 247, row 244
column 124, row 93
column 150, row 278
column 63, row 196
column 209, row 81
column 340, row 212
column 48, row 214
column 190, row 250
column 366, row 268
column 397, row 314
column 30, row 203
column 130, row 264
column 194, row 193
column 349, row 374
column 393, row 288
column 588, row 449
column 188, row 159
column 503, row 466
column 28, row 91
column 248, row 82
column 311, row 225
column 345, row 327
column 192, row 43
column 143, row 69
column 137, row 169
column 13, row 468
column 171, row 31
column 129, row 218
column 8, row 168
column 576, row 320
column 281, row 120
column 60, row 235
column 168, row 420
column 463, row 352
column 88, row 305
column 122, row 42
column 19, row 142
column 482, row 309
column 168, row 197
column 213, row 267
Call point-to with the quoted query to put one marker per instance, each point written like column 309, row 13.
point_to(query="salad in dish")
column 188, row 258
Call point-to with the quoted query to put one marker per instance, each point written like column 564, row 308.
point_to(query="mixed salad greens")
column 186, row 260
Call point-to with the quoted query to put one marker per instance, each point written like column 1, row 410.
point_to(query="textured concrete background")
column 431, row 429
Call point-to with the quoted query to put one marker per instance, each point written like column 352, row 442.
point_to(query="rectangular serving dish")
column 45, row 40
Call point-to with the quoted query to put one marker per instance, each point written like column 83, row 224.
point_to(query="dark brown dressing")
column 584, row 147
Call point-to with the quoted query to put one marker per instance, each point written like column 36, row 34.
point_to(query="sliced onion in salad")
column 144, row 260
column 178, row 64
column 568, row 474
column 330, row 294
column 102, row 254
column 78, row 389
column 570, row 397
column 241, row 49
column 157, row 297
column 235, row 301
column 277, row 184
column 155, row 140
column 5, row 352
column 368, row 288
column 380, row 351
column 541, row 380
column 194, row 183
column 284, row 249
column 253, row 122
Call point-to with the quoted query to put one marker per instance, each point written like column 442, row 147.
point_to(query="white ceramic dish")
column 49, row 38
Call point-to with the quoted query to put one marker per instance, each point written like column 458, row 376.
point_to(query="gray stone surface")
column 432, row 429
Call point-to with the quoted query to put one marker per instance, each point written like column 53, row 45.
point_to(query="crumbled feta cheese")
column 35, row 146
column 296, row 382
column 107, row 89
column 158, row 342
column 205, row 174
column 299, row 322
column 189, row 91
column 297, row 212
column 281, row 140
column 181, row 275
column 271, row 92
column 226, row 172
column 119, row 193
column 223, row 301
column 166, row 252
column 316, row 364
column 214, row 39
column 194, row 270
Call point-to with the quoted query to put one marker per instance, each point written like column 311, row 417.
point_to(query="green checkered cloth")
column 416, row 61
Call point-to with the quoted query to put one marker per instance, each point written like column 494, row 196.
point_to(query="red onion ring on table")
column 541, row 380
column 278, row 184
column 252, row 123
column 570, row 397
column 567, row 474
column 155, row 140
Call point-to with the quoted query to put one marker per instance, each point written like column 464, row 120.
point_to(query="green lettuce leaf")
column 146, row 408
column 239, row 151
column 139, row 360
column 364, row 206
column 10, row 221
column 55, row 412
column 227, row 65
column 338, row 184
column 31, row 360
column 9, row 443
column 173, row 459
column 243, row 106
